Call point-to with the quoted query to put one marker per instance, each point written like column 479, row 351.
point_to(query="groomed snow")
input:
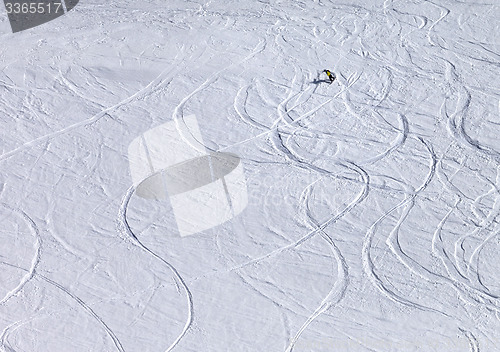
column 373, row 203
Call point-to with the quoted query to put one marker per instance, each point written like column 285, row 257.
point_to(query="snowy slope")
column 373, row 203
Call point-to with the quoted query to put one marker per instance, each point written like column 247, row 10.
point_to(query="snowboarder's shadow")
column 319, row 81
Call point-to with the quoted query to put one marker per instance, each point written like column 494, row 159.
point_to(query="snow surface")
column 373, row 203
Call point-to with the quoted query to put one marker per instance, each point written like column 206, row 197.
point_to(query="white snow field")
column 362, row 215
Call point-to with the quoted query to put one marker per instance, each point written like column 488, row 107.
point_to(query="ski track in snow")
column 368, row 264
column 36, row 258
column 79, row 301
column 131, row 236
column 158, row 82
column 338, row 290
column 406, row 134
column 474, row 344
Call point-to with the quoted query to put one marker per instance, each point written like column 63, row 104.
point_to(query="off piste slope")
column 371, row 220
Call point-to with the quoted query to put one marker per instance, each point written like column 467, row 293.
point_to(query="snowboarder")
column 330, row 75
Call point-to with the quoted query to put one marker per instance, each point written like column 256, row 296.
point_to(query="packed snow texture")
column 373, row 203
